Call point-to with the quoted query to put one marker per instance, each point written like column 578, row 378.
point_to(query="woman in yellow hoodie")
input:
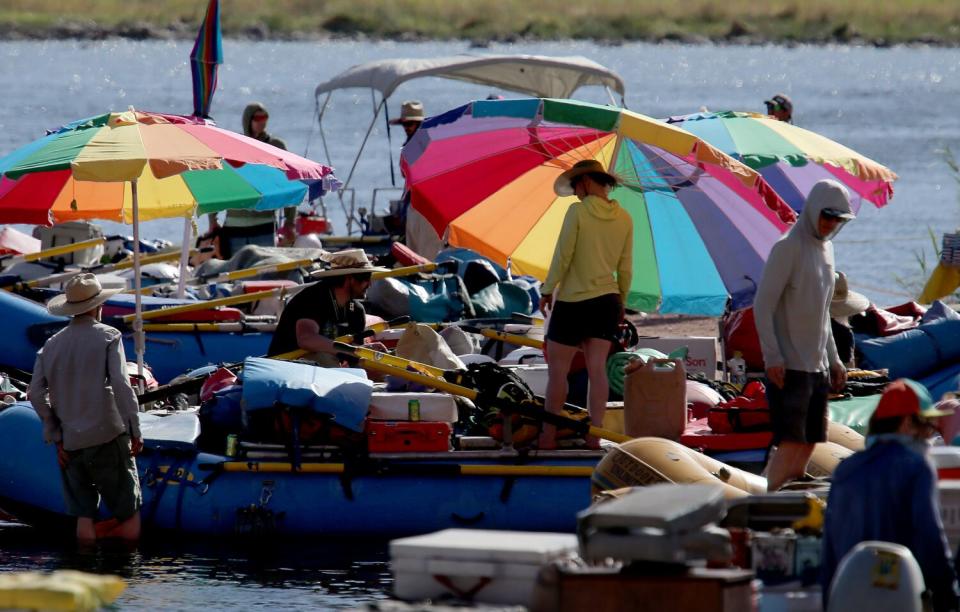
column 586, row 288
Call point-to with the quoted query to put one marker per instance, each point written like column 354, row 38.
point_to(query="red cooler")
column 408, row 436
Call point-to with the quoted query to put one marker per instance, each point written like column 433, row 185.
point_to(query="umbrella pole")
column 184, row 256
column 138, row 308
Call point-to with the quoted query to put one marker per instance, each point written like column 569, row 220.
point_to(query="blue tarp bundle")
column 342, row 393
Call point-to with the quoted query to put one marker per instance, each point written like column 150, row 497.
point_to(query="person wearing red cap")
column 888, row 492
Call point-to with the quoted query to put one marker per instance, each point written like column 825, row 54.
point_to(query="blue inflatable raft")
column 197, row 493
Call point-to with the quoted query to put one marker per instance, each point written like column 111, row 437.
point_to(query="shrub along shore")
column 870, row 22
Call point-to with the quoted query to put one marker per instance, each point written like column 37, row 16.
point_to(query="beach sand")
column 675, row 325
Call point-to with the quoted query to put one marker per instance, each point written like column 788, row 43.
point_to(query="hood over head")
column 827, row 195
column 248, row 112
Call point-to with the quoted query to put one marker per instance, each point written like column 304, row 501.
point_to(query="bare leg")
column 596, row 352
column 561, row 356
column 128, row 530
column 789, row 461
column 86, row 534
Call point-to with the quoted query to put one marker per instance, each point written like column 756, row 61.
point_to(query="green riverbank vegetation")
column 877, row 22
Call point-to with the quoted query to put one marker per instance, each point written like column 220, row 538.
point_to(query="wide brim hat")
column 846, row 303
column 347, row 261
column 411, row 110
column 562, row 186
column 81, row 294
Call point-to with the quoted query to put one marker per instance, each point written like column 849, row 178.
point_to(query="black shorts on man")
column 798, row 411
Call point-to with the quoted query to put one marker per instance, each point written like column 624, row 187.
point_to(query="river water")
column 897, row 106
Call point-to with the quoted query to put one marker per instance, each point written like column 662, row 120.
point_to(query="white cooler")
column 394, row 406
column 498, row 567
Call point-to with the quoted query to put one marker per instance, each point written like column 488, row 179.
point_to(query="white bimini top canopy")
column 536, row 75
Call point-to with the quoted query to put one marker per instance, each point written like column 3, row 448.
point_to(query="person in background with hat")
column 329, row 308
column 81, row 390
column 586, row 288
column 780, row 107
column 411, row 118
column 792, row 314
column 242, row 227
column 888, row 492
column 845, row 304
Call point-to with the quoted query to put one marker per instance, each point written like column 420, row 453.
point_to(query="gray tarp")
column 536, row 75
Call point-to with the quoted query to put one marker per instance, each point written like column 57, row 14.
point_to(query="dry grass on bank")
column 890, row 20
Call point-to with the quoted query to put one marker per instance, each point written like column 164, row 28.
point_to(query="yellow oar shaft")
column 511, row 338
column 53, row 252
column 280, row 467
column 120, row 265
column 209, row 304
column 405, row 271
column 227, row 327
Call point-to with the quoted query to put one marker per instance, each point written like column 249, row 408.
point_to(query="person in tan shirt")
column 586, row 288
column 81, row 391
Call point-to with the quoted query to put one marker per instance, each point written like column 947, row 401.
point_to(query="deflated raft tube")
column 646, row 461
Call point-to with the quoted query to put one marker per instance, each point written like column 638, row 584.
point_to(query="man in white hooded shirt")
column 792, row 312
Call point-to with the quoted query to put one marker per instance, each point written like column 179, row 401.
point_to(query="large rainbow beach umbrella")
column 791, row 158
column 132, row 166
column 704, row 222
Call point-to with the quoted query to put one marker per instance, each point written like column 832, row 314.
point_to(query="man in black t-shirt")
column 330, row 308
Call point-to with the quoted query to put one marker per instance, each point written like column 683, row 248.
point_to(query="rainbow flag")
column 207, row 54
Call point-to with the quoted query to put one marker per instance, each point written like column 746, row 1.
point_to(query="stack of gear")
column 657, row 538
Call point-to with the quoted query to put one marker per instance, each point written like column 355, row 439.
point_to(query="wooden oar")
column 8, row 260
column 97, row 269
column 581, row 427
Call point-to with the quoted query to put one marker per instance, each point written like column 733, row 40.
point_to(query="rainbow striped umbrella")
column 133, row 165
column 703, row 222
column 87, row 170
column 206, row 55
column 791, row 158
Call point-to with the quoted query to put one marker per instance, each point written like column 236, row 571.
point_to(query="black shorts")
column 573, row 322
column 798, row 412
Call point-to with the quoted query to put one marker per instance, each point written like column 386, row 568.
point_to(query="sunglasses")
column 260, row 117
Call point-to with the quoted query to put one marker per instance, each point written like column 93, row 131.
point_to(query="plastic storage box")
column 498, row 567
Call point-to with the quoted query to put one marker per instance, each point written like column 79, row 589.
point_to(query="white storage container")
column 534, row 375
column 395, row 406
column 497, row 567
column 950, row 510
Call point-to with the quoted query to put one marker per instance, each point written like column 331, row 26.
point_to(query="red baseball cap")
column 904, row 397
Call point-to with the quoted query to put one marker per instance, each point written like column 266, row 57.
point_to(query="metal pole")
column 356, row 160
column 185, row 256
column 138, row 340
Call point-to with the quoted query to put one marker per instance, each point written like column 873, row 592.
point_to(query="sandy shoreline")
column 676, row 325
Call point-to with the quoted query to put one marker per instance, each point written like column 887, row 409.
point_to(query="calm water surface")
column 217, row 575
column 897, row 106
